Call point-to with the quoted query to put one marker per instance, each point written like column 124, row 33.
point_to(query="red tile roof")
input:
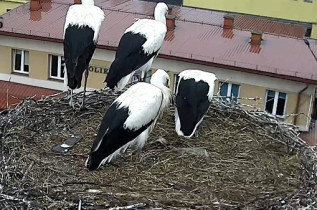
column 198, row 37
column 269, row 26
column 12, row 93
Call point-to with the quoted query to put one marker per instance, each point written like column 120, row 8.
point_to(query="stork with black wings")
column 81, row 31
column 194, row 93
column 130, row 119
column 138, row 47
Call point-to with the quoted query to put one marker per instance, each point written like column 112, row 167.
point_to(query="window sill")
column 20, row 73
column 279, row 117
column 56, row 80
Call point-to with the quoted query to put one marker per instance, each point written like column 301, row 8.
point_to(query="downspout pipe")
column 305, row 88
column 298, row 101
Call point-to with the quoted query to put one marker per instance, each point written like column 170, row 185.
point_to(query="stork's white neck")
column 159, row 15
column 87, row 2
column 167, row 96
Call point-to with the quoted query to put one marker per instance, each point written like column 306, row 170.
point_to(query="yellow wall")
column 97, row 74
column 304, row 106
column 5, row 58
column 10, row 4
column 38, row 65
column 297, row 10
column 314, row 30
column 291, row 102
column 250, row 91
column 285, row 9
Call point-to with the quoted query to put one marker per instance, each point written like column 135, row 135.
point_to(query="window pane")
column 62, row 67
column 271, row 93
column 26, row 61
column 17, row 59
column 282, row 95
column 281, row 104
column 223, row 90
column 269, row 101
column 235, row 92
column 26, row 57
column 54, row 64
column 26, row 68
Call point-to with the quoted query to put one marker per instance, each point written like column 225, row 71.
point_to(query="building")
column 170, row 2
column 7, row 5
column 279, row 69
column 303, row 12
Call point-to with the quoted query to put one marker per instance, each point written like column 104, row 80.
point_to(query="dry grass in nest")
column 240, row 160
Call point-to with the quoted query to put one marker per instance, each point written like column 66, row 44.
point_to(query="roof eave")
column 171, row 57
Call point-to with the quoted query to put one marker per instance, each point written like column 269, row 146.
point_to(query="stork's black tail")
column 73, row 77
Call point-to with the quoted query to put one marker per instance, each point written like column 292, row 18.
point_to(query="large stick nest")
column 241, row 160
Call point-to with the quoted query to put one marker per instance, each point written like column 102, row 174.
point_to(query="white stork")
column 130, row 119
column 81, row 31
column 193, row 98
column 138, row 47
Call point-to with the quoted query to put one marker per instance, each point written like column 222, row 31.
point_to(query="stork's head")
column 160, row 78
column 160, row 12
column 87, row 2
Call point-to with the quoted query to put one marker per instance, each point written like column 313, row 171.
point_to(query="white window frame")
column 229, row 91
column 22, row 61
column 275, row 103
column 59, row 67
column 175, row 84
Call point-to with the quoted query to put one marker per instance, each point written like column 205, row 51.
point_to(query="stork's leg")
column 83, row 102
column 71, row 102
column 143, row 77
column 196, row 134
column 139, row 153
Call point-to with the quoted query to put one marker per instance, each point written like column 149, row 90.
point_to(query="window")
column 176, row 80
column 20, row 61
column 275, row 102
column 229, row 91
column 57, row 64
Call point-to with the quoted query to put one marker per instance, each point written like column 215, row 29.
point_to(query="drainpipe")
column 297, row 102
column 299, row 94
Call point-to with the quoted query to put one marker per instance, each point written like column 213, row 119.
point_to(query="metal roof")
column 16, row 92
column 198, row 37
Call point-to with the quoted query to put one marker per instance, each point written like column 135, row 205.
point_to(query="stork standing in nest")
column 130, row 119
column 81, row 31
column 193, row 97
column 138, row 47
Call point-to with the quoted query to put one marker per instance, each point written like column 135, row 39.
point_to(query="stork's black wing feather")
column 129, row 57
column 112, row 135
column 192, row 103
column 78, row 50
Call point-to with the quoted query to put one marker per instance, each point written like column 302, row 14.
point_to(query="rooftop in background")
column 198, row 37
column 173, row 2
column 6, row 5
column 303, row 11
column 17, row 91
